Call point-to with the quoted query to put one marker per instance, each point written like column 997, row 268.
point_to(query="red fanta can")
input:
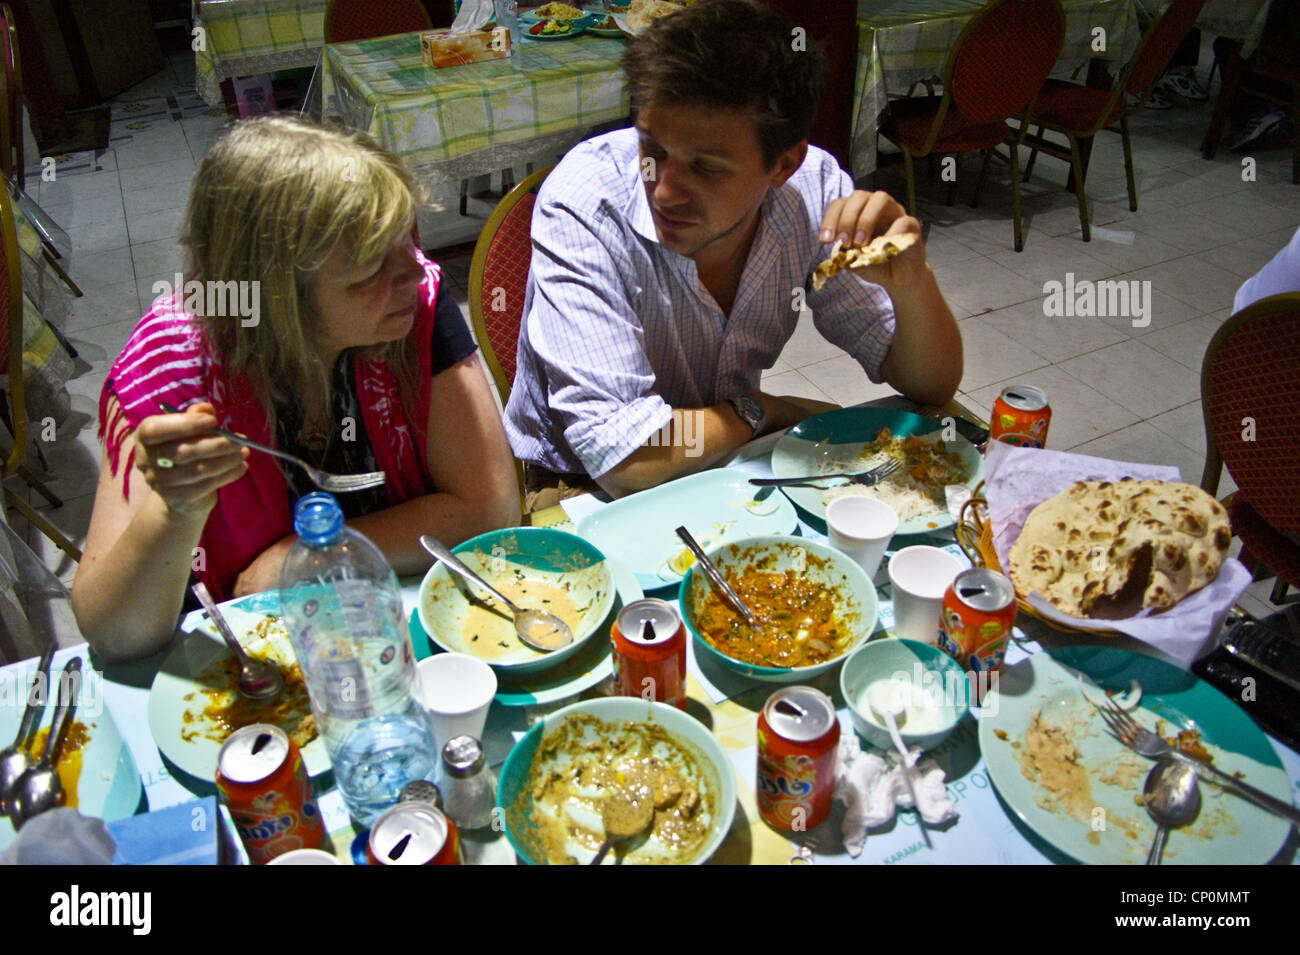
column 975, row 623
column 413, row 833
column 261, row 777
column 1021, row 415
column 649, row 650
column 798, row 734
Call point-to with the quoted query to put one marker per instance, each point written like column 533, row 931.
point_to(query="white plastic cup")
column 861, row 527
column 305, row 857
column 920, row 576
column 455, row 691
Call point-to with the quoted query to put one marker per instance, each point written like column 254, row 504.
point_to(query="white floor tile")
column 157, row 260
column 807, row 346
column 794, row 384
column 152, row 226
column 1142, row 443
column 1186, row 423
column 1055, row 338
column 104, row 305
column 1137, row 377
column 843, row 379
column 1187, row 341
column 991, row 355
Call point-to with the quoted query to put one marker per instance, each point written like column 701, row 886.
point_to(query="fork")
column 1151, row 745
column 869, row 477
column 336, row 483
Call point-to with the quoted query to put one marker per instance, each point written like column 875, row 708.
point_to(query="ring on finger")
column 165, row 463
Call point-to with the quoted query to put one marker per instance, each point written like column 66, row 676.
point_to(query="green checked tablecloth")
column 1235, row 19
column 244, row 37
column 903, row 42
column 451, row 123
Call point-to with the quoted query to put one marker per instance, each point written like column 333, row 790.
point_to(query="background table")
column 451, row 123
column 901, row 42
column 243, row 37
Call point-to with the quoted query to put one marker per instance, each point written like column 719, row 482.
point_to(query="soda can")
column 261, row 778
column 1021, row 415
column 413, row 833
column 975, row 624
column 649, row 650
column 798, row 734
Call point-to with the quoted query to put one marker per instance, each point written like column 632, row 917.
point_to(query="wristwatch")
column 750, row 411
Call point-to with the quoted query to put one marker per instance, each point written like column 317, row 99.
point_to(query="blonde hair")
column 271, row 200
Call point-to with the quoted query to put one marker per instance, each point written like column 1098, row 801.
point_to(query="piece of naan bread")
column 1107, row 550
column 876, row 252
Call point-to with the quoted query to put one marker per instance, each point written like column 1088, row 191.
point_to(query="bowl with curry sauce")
column 814, row 606
column 536, row 568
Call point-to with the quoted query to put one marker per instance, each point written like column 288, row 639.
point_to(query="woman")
column 354, row 357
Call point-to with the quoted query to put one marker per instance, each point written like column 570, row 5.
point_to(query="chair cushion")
column 1262, row 542
column 908, row 123
column 1070, row 106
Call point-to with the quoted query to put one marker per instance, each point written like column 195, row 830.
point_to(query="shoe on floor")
column 1181, row 81
column 1257, row 129
column 1158, row 100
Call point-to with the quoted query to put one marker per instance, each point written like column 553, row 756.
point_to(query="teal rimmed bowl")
column 921, row 665
column 819, row 562
column 547, row 569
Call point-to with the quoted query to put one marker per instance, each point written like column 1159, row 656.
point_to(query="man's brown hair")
column 730, row 55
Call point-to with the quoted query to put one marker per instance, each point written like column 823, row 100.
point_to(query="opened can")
column 1021, row 415
column 261, row 777
column 798, row 734
column 649, row 651
column 975, row 624
column 413, row 833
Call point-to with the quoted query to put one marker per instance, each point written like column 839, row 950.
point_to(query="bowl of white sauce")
column 930, row 686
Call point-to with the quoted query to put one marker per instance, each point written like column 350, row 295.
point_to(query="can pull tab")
column 262, row 740
column 1016, row 395
column 399, row 847
column 971, row 591
column 786, row 708
column 648, row 632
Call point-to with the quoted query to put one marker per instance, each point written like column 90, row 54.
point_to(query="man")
column 670, row 262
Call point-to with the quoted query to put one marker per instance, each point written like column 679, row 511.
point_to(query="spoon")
column 626, row 813
column 537, row 628
column 40, row 788
column 257, row 680
column 14, row 760
column 887, row 702
column 1172, row 797
column 715, row 577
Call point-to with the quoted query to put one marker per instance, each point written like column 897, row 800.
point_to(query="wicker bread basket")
column 974, row 533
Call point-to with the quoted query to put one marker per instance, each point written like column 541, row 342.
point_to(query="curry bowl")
column 812, row 596
column 926, row 672
column 536, row 568
column 556, row 778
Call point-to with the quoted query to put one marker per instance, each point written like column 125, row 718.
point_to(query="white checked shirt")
column 618, row 330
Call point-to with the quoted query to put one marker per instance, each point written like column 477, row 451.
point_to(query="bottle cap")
column 317, row 518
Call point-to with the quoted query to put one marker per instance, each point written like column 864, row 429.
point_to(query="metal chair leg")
column 1079, row 192
column 984, row 175
column 1015, row 197
column 952, row 186
column 1033, row 154
column 37, row 485
column 42, row 525
column 910, row 175
column 63, row 276
column 1128, row 165
column 464, row 197
column 1278, row 593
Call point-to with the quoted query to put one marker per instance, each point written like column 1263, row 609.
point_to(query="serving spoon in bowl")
column 715, row 577
column 257, row 680
column 14, row 760
column 40, row 788
column 626, row 813
column 538, row 629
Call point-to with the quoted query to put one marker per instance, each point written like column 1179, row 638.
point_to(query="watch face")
column 750, row 411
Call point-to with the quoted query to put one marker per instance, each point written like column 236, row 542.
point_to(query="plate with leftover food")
column 99, row 777
column 555, row 29
column 552, row 11
column 850, row 440
column 717, row 507
column 1055, row 765
column 606, row 26
column 194, row 703
column 559, row 777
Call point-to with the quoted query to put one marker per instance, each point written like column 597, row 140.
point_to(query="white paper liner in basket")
column 1016, row 480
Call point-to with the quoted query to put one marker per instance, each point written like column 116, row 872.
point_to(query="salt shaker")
column 469, row 787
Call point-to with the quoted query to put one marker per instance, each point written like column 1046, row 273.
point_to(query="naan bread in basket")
column 1108, row 549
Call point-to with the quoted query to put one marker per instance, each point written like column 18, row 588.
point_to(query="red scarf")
column 167, row 359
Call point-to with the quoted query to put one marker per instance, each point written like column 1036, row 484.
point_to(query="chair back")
column 349, row 20
column 1250, row 389
column 1003, row 56
column 11, row 100
column 11, row 330
column 498, row 278
column 1159, row 42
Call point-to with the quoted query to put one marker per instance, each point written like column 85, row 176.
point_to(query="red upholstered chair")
column 498, row 276
column 997, row 64
column 11, row 124
column 349, row 20
column 1079, row 112
column 1250, row 389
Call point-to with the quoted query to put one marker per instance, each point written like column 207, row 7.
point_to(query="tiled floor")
column 1117, row 390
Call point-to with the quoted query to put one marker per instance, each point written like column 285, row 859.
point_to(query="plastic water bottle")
column 506, row 13
column 343, row 609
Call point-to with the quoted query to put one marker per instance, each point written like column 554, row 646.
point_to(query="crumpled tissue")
column 872, row 789
column 61, row 836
